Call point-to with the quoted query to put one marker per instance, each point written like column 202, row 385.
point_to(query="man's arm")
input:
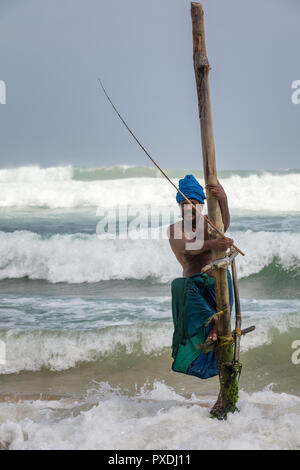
column 218, row 192
column 178, row 244
column 220, row 244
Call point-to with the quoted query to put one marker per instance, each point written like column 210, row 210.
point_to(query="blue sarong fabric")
column 193, row 303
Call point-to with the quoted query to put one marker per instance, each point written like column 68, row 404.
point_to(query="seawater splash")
column 157, row 418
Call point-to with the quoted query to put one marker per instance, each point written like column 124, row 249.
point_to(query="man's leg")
column 213, row 334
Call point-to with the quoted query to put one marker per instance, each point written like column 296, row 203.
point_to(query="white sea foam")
column 81, row 258
column 152, row 419
column 56, row 188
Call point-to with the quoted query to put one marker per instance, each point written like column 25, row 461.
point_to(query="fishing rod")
column 163, row 173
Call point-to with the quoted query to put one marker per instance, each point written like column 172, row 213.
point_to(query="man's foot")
column 213, row 335
column 218, row 404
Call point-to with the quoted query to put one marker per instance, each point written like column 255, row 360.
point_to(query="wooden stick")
column 245, row 331
column 163, row 173
column 228, row 379
column 209, row 344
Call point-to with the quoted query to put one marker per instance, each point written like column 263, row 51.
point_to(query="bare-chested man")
column 193, row 260
column 192, row 246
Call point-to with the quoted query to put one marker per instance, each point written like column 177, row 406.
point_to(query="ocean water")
column 86, row 324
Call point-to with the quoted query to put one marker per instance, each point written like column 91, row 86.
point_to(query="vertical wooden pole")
column 227, row 373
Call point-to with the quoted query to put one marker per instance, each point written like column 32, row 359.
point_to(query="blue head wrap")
column 191, row 189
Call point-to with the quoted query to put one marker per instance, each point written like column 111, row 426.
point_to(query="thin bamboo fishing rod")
column 164, row 174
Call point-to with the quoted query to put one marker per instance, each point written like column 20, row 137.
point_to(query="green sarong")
column 193, row 303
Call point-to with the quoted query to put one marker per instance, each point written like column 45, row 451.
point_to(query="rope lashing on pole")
column 212, row 316
column 225, row 340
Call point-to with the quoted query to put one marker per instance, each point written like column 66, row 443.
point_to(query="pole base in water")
column 229, row 377
column 221, row 413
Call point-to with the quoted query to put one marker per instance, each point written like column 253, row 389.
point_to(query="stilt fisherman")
column 193, row 295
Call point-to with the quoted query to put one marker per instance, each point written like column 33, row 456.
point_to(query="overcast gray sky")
column 52, row 52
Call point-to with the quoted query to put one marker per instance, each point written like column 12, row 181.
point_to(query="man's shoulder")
column 170, row 229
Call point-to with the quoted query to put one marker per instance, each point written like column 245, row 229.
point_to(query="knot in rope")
column 225, row 340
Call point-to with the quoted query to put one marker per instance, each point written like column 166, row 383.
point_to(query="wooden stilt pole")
column 228, row 371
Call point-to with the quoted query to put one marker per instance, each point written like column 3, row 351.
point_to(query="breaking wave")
column 77, row 258
column 68, row 187
column 116, row 346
